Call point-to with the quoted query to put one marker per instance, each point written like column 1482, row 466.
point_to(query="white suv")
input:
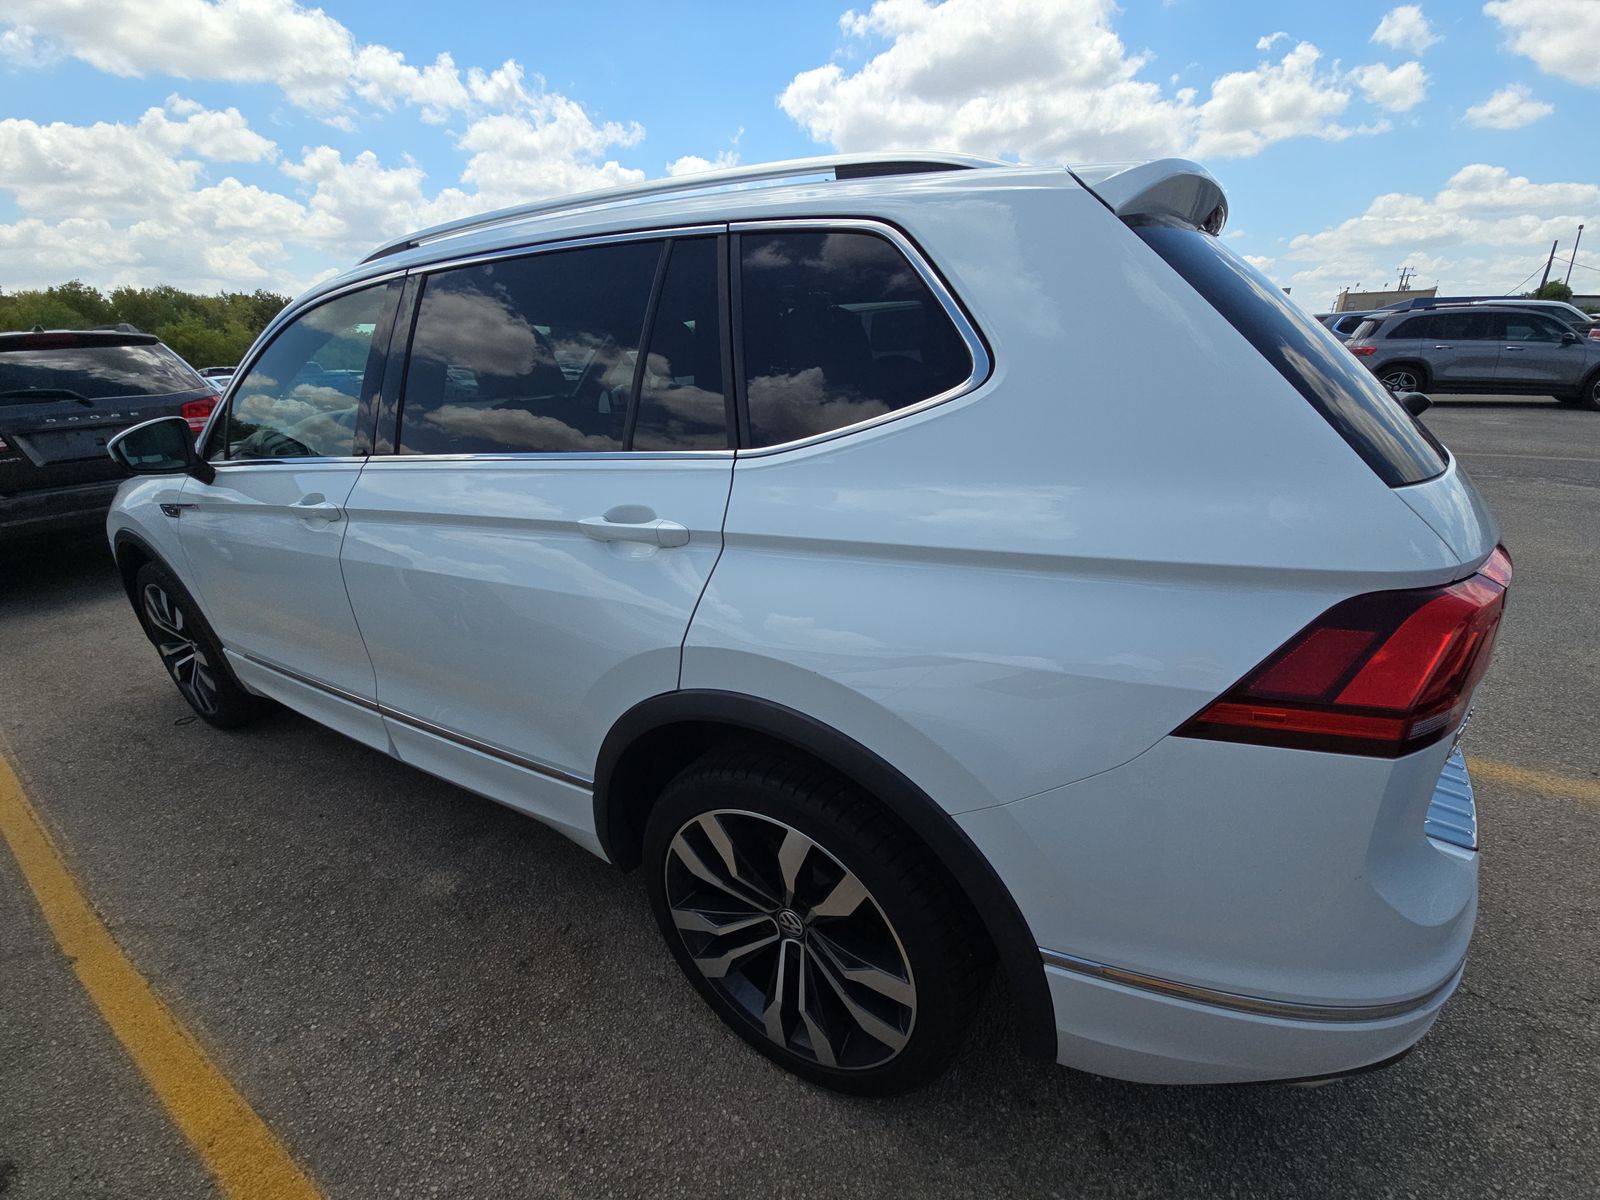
column 916, row 565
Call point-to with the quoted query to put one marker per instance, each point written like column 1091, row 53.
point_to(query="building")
column 1349, row 300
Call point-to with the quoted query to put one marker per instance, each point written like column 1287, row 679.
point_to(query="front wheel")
column 1589, row 395
column 814, row 925
column 190, row 651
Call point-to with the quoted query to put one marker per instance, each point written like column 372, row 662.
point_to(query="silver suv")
column 1499, row 349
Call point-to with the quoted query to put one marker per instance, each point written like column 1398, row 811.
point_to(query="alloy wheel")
column 791, row 938
column 184, row 657
column 1400, row 380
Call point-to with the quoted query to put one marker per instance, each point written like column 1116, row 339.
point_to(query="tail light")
column 1382, row 674
column 196, row 411
column 1363, row 351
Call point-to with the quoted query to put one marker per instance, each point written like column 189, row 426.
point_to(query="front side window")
column 1532, row 328
column 301, row 398
column 528, row 355
column 837, row 327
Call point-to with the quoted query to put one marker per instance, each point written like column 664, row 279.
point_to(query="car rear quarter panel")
column 1035, row 582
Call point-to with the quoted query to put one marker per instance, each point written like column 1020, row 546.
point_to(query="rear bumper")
column 53, row 510
column 1218, row 913
column 1130, row 1033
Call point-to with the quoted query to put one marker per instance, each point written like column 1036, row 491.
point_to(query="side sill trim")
column 1255, row 1005
column 449, row 735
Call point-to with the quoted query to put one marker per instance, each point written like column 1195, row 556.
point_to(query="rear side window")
column 681, row 401
column 1461, row 327
column 1332, row 380
column 528, row 355
column 838, row 327
column 97, row 372
column 1411, row 327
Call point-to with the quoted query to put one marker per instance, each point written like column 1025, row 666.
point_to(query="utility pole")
column 1548, row 263
column 1575, row 244
column 1406, row 274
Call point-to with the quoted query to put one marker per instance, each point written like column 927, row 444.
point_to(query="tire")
column 1404, row 377
column 874, row 961
column 1589, row 395
column 190, row 651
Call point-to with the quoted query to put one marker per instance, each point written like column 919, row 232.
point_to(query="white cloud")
column 1268, row 41
column 551, row 148
column 1050, row 81
column 1484, row 230
column 1405, row 28
column 1560, row 36
column 1398, row 89
column 1511, row 107
column 694, row 164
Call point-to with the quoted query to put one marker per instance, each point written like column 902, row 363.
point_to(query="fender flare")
column 1015, row 947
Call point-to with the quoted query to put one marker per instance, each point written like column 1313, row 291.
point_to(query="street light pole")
column 1575, row 243
column 1548, row 263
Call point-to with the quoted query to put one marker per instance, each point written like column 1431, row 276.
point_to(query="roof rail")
column 842, row 166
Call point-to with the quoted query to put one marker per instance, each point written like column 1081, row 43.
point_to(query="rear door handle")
column 1444, row 346
column 652, row 533
column 1516, row 349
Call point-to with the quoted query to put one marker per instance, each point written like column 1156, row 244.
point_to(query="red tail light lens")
column 1363, row 351
column 196, row 411
column 1382, row 674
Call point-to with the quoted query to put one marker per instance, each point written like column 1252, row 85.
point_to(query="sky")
column 243, row 144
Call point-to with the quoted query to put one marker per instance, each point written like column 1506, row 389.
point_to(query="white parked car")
column 941, row 566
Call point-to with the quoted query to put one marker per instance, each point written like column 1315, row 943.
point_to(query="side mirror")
column 1415, row 403
column 164, row 446
column 1569, row 338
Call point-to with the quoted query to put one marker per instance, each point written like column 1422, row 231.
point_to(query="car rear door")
column 1461, row 348
column 1535, row 357
column 525, row 564
column 262, row 539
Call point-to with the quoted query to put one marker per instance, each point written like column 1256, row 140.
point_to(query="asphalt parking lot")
column 424, row 994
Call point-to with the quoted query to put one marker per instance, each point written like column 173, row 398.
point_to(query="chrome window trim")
column 1237, row 1002
column 426, row 726
column 525, row 249
column 982, row 364
column 234, row 464
column 390, row 461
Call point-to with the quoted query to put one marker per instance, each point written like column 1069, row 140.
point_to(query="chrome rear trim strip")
column 405, row 718
column 1234, row 1001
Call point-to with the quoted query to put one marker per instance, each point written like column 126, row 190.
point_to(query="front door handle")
column 1515, row 349
column 1444, row 346
column 315, row 508
column 654, row 532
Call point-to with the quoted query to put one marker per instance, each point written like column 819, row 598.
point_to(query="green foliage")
column 207, row 331
column 1554, row 290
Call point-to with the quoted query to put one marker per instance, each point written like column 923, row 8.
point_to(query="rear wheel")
column 814, row 925
column 1589, row 395
column 1404, row 377
column 190, row 651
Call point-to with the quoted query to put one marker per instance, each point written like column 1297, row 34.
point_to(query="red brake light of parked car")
column 1382, row 674
column 1363, row 351
column 196, row 411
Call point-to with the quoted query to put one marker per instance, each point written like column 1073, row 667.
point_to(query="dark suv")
column 63, row 393
column 1498, row 349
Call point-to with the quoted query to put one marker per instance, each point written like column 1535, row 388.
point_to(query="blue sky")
column 263, row 143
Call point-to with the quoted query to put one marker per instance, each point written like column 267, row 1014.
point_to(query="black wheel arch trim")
column 126, row 537
column 1015, row 947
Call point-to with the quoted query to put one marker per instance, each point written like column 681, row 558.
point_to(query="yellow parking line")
column 247, row 1160
column 1548, row 782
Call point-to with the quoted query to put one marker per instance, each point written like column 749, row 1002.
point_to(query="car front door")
column 1536, row 357
column 525, row 564
column 1461, row 349
column 262, row 539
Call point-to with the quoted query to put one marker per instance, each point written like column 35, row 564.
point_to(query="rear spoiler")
column 1174, row 188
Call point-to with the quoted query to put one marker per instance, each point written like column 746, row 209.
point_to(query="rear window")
column 1333, row 381
column 97, row 372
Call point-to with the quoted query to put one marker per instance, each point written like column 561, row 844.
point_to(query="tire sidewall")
column 939, row 1020
column 235, row 706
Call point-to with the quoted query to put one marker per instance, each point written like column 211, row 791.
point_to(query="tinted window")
column 528, row 355
column 302, row 396
column 837, row 328
column 1461, row 327
column 1411, row 327
column 99, row 372
column 681, row 401
column 1365, row 330
column 1331, row 379
column 1531, row 328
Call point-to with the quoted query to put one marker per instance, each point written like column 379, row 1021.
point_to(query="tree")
column 1554, row 290
column 207, row 331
